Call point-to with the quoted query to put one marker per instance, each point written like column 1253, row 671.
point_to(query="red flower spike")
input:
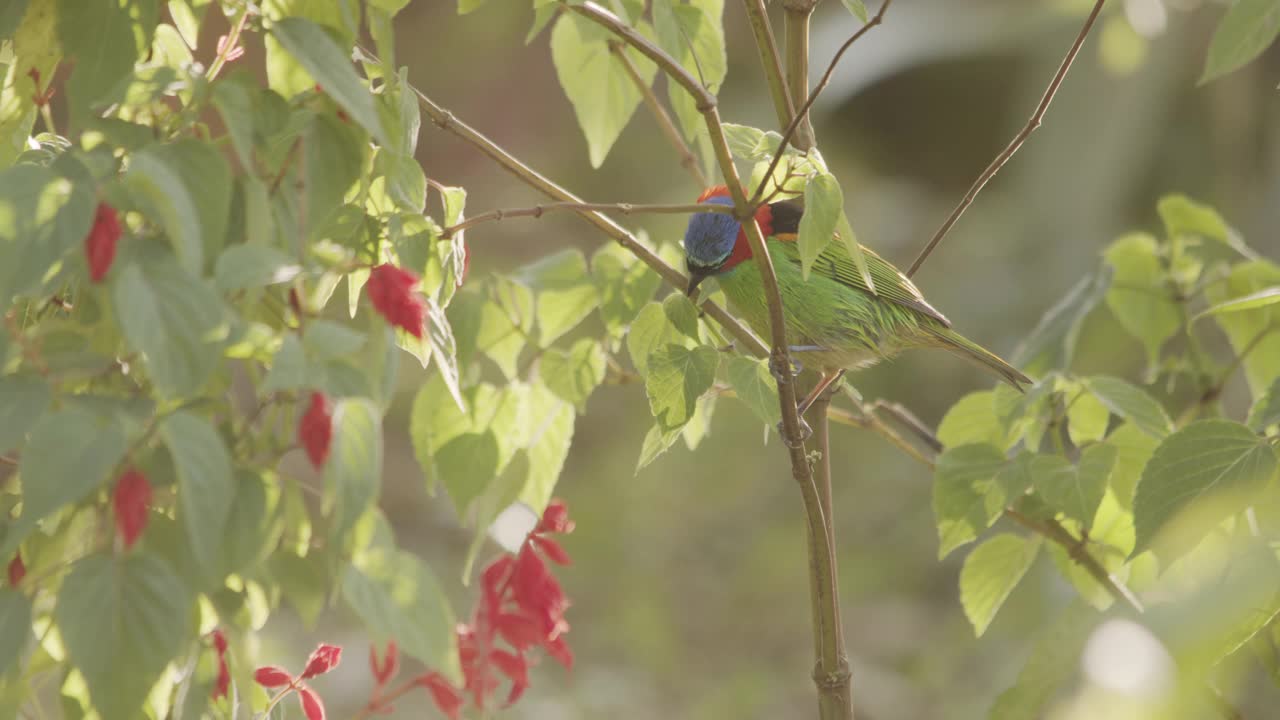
column 446, row 697
column 515, row 668
column 519, row 630
column 315, row 430
column 272, row 676
column 388, row 667
column 219, row 639
column 391, row 292
column 312, row 706
column 551, row 549
column 17, row 570
column 537, row 592
column 100, row 243
column 559, row 650
column 324, row 659
column 130, row 500
column 555, row 519
column 223, row 684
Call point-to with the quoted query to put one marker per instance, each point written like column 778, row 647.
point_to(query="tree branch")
column 796, row 25
column 446, row 121
column 1078, row 550
column 821, row 559
column 688, row 160
column 769, row 58
column 831, row 674
column 1021, row 137
column 803, row 114
column 537, row 211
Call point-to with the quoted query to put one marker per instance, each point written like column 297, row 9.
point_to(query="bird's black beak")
column 695, row 278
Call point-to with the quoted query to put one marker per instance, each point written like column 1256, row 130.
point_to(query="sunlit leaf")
column 1248, row 28
column 990, row 574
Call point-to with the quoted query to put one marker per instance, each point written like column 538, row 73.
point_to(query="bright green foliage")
column 991, row 572
column 1248, row 28
column 1141, row 296
column 677, row 377
column 857, row 7
column 966, row 496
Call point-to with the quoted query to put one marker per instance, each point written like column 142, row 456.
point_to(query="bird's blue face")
column 709, row 239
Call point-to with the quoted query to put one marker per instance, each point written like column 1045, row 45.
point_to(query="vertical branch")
column 688, row 160
column 797, row 17
column 832, row 673
column 833, row 703
column 767, row 46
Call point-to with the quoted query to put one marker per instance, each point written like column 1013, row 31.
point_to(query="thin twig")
column 1016, row 143
column 769, row 58
column 688, row 160
column 445, row 120
column 1077, row 549
column 803, row 113
column 578, row 207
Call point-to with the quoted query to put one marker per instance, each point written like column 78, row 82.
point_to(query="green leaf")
column 1087, row 418
column 575, row 373
column 253, row 527
column 650, row 331
column 100, row 37
column 327, row 339
column 434, row 421
column 241, row 267
column 677, row 377
column 549, row 440
column 15, row 626
column 656, row 442
column 692, row 34
column 972, row 420
column 234, row 101
column 1183, row 216
column 205, row 488
column 71, row 453
column 682, row 313
column 1255, row 330
column 173, row 319
column 823, row 203
column 1140, row 297
column 398, row 598
column 966, row 497
column 1131, row 403
column 990, row 574
column 443, row 348
column 330, row 65
column 1133, row 449
column 23, row 400
column 1264, row 413
column 43, row 218
column 859, row 11
column 624, row 284
column 288, row 369
column 1052, row 342
column 465, row 465
column 604, row 98
column 353, row 472
column 334, row 160
column 755, row 385
column 1074, row 492
column 1205, row 472
column 1252, row 301
column 566, row 293
column 1053, row 662
column 122, row 621
column 1248, row 28
column 186, row 186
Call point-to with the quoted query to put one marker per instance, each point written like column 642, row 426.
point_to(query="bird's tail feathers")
column 966, row 348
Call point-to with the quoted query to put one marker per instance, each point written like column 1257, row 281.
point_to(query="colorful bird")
column 834, row 322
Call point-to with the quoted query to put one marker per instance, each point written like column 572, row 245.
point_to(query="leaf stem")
column 1077, row 549
column 1021, row 137
column 622, row 208
column 688, row 160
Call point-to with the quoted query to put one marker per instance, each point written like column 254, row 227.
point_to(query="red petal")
column 324, row 659
column 224, row 680
column 446, row 696
column 311, row 703
column 387, row 668
column 559, row 650
column 555, row 519
column 538, row 593
column 17, row 570
column 100, row 243
column 494, row 579
column 219, row 639
column 130, row 500
column 391, row 292
column 315, row 430
column 272, row 676
column 551, row 548
column 519, row 630
column 515, row 668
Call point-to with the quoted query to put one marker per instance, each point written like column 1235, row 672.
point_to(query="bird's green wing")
column 834, row 263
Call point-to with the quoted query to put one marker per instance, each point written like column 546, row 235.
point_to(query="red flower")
column 132, row 495
column 551, row 548
column 315, row 430
column 537, row 592
column 271, row 676
column 445, row 696
column 223, row 684
column 386, row 669
column 312, row 707
column 17, row 570
column 391, row 292
column 324, row 659
column 515, row 668
column 100, row 243
column 555, row 519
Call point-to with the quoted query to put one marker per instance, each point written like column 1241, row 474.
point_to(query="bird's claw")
column 783, row 376
column 806, row 432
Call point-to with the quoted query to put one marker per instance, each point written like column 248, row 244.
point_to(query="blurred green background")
column 689, row 581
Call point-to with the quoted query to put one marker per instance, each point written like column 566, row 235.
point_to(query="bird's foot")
column 806, row 432
column 784, row 375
